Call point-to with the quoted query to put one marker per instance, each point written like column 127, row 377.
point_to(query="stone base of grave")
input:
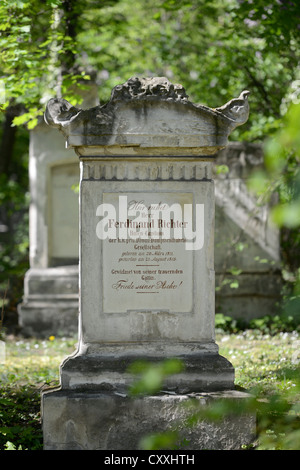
column 108, row 421
column 50, row 302
column 106, row 367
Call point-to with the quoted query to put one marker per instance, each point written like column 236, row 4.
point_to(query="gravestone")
column 146, row 267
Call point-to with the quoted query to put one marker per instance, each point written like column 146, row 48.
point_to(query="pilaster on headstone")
column 146, row 251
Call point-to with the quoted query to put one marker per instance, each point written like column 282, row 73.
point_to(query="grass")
column 271, row 362
column 35, row 362
column 268, row 362
column 30, row 365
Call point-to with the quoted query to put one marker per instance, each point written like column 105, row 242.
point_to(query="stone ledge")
column 43, row 318
column 109, row 370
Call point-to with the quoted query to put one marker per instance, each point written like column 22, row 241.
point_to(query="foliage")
column 14, row 204
column 157, row 441
column 14, row 244
column 30, row 365
column 278, row 417
column 152, row 376
column 19, row 422
column 215, row 49
column 269, row 368
column 282, row 176
column 267, row 365
column 35, row 42
column 267, row 324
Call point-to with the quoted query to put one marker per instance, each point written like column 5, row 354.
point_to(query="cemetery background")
column 270, row 71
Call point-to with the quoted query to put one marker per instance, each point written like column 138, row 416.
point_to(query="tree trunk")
column 8, row 138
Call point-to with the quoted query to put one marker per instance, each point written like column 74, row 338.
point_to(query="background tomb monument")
column 50, row 301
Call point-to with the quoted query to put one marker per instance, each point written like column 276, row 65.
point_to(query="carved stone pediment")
column 149, row 113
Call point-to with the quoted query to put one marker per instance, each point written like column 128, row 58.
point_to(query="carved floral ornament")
column 149, row 88
column 148, row 112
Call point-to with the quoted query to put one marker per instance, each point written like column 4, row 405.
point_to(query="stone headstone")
column 146, row 273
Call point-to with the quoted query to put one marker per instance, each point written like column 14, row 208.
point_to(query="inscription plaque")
column 150, row 268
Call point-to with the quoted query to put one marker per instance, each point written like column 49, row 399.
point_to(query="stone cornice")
column 148, row 113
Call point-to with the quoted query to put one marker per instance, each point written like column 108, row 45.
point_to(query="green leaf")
column 152, row 375
column 24, row 29
column 165, row 440
column 19, row 120
column 222, row 169
column 235, row 271
column 234, row 284
column 10, row 446
column 287, row 215
column 31, row 124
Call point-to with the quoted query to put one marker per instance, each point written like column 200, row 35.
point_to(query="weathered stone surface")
column 148, row 113
column 107, row 421
column 50, row 303
column 106, row 367
column 165, row 314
